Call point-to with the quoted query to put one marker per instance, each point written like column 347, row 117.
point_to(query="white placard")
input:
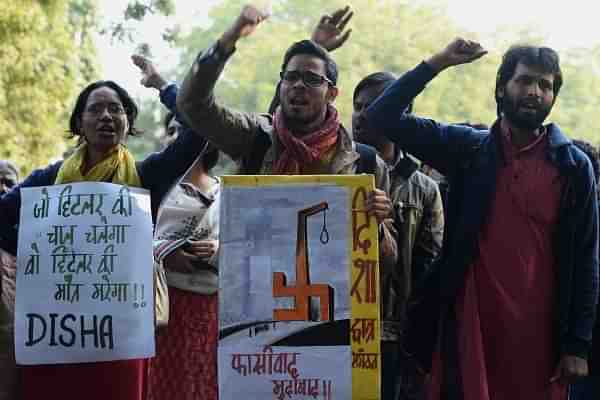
column 84, row 274
column 283, row 373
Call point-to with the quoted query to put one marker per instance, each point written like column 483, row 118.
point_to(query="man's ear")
column 332, row 93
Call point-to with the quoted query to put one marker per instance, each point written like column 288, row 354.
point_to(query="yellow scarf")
column 118, row 167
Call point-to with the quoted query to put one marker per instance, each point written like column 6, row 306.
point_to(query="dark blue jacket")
column 470, row 159
column 158, row 172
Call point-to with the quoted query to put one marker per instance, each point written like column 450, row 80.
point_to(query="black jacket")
column 470, row 159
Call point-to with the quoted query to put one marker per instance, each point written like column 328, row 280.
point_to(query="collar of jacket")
column 344, row 156
column 405, row 165
column 558, row 144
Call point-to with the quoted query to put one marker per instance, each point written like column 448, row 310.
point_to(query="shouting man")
column 517, row 289
column 304, row 135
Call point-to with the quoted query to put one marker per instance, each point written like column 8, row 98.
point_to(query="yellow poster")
column 298, row 289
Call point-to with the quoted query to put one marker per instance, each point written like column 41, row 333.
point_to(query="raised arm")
column 434, row 143
column 329, row 32
column 151, row 78
column 161, row 169
column 230, row 131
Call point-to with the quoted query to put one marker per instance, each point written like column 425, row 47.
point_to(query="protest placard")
column 298, row 289
column 84, row 274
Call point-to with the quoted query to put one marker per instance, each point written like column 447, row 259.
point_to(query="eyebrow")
column 536, row 76
column 105, row 102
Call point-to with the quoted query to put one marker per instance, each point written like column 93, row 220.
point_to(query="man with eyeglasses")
column 304, row 135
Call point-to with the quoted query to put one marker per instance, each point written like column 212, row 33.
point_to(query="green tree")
column 46, row 55
column 390, row 35
column 387, row 35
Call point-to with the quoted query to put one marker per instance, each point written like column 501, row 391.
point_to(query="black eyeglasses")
column 309, row 78
column 113, row 109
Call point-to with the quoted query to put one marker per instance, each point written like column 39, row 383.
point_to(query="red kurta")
column 505, row 311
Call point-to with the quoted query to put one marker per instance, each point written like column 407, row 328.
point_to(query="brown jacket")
column 246, row 137
column 419, row 228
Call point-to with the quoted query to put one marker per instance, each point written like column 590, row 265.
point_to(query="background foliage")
column 47, row 56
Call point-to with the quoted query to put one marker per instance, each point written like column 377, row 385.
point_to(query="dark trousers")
column 587, row 389
column 400, row 377
column 390, row 370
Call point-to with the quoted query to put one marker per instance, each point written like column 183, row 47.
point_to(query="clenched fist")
column 459, row 51
column 244, row 25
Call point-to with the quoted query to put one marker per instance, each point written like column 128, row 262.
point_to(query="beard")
column 301, row 121
column 298, row 118
column 511, row 108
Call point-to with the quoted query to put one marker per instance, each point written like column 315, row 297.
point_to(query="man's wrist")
column 437, row 63
column 214, row 54
column 226, row 44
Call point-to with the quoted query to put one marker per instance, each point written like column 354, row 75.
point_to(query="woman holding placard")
column 103, row 117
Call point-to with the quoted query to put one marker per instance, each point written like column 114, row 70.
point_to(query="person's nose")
column 105, row 115
column 299, row 83
column 534, row 90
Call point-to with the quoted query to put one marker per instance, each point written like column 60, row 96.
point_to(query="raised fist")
column 459, row 51
column 247, row 21
column 150, row 76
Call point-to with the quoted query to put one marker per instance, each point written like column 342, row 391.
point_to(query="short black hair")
column 543, row 58
column 592, row 154
column 311, row 48
column 375, row 79
column 129, row 105
column 382, row 78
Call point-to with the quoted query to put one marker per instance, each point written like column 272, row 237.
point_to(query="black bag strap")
column 251, row 165
column 367, row 163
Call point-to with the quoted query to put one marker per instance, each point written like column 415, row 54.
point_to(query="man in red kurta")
column 513, row 283
column 518, row 283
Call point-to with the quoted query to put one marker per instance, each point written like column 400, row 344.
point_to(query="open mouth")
column 298, row 102
column 530, row 107
column 106, row 130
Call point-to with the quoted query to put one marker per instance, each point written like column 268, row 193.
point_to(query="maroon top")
column 115, row 380
column 505, row 311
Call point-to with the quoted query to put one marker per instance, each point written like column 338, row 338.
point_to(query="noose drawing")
column 303, row 290
column 324, row 237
